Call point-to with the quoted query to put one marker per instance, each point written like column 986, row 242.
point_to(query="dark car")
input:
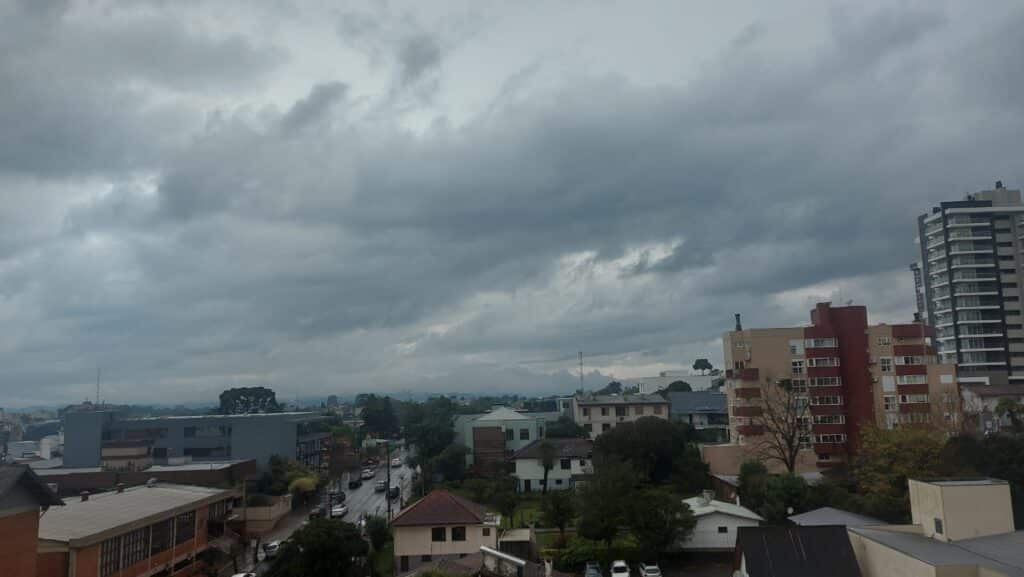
column 355, row 483
column 394, row 493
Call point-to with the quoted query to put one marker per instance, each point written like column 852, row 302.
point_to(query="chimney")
column 120, row 487
column 706, row 496
column 84, row 495
column 739, row 325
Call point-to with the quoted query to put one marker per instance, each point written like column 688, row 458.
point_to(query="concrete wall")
column 83, row 437
column 707, row 538
column 415, row 542
column 966, row 511
column 876, row 560
column 592, row 417
column 726, row 459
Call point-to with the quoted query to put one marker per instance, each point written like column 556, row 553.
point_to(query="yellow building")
column 441, row 526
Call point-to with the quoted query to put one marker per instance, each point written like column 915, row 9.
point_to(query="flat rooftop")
column 962, row 482
column 79, row 523
column 293, row 414
column 194, row 466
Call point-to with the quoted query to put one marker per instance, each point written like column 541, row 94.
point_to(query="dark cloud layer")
column 323, row 245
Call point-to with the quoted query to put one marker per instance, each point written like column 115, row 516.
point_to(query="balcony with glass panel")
column 970, row 247
column 977, row 233
column 977, row 303
column 961, row 220
column 987, row 358
column 980, row 316
column 978, row 344
column 962, row 276
column 971, row 262
column 970, row 331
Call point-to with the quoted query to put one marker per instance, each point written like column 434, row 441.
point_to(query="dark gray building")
column 702, row 410
column 198, row 438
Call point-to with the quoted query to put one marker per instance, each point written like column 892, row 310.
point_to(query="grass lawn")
column 383, row 561
column 547, row 540
column 527, row 511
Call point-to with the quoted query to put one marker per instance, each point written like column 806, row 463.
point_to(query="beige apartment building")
column 960, row 528
column 601, row 413
column 842, row 374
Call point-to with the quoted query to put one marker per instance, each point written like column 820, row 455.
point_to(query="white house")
column 717, row 523
column 571, row 461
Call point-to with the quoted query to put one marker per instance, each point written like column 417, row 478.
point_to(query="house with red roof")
column 441, row 526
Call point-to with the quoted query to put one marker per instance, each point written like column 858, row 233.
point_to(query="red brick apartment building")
column 22, row 497
column 153, row 530
column 847, row 374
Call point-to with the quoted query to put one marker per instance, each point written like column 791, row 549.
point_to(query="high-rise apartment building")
column 968, row 284
column 841, row 374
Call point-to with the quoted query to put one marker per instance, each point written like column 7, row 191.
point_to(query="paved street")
column 365, row 500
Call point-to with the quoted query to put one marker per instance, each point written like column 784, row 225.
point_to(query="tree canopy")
column 323, row 547
column 603, row 499
column 241, row 400
column 378, row 414
column 565, row 428
column 557, row 509
column 659, row 450
column 612, row 388
column 702, row 365
column 658, row 519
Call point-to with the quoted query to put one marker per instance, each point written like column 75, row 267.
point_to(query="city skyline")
column 389, row 197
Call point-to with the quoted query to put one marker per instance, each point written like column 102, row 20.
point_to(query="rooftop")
column 1004, row 553
column 797, row 551
column 294, row 414
column 102, row 515
column 962, row 481
column 619, row 399
column 832, row 516
column 12, row 476
column 503, row 414
column 697, row 402
column 700, row 507
column 441, row 508
column 564, row 448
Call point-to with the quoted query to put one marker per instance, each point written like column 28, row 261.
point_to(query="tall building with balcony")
column 835, row 376
column 968, row 284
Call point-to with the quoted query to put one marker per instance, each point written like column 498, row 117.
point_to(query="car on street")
column 396, row 463
column 380, row 486
column 316, row 512
column 339, row 511
column 369, row 474
column 593, row 569
column 244, row 575
column 648, row 570
column 620, row 569
column 394, row 493
column 270, row 549
column 354, row 483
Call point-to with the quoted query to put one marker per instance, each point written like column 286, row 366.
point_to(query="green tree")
column 1011, row 409
column 451, row 463
column 547, row 461
column 565, row 428
column 660, row 450
column 702, row 365
column 612, row 388
column 323, row 547
column 1000, row 456
column 783, row 493
column 378, row 415
column 658, row 519
column 378, row 531
column 603, row 499
column 241, row 400
column 678, row 387
column 751, row 486
column 558, row 510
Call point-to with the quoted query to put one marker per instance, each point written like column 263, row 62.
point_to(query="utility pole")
column 387, row 463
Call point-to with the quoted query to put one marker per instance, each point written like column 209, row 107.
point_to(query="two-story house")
column 571, row 460
column 441, row 526
column 600, row 413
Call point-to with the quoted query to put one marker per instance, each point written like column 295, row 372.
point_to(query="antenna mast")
column 98, row 372
column 581, row 370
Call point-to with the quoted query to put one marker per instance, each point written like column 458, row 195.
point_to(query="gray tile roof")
column 687, row 402
column 1004, row 553
column 620, row 400
column 564, row 448
column 832, row 516
column 81, row 523
column 21, row 475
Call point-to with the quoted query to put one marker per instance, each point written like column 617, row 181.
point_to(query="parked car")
column 620, row 569
column 396, row 463
column 593, row 569
column 244, row 575
column 354, row 483
column 340, row 497
column 270, row 549
column 339, row 511
column 648, row 570
column 369, row 474
column 316, row 512
column 394, row 493
column 380, row 486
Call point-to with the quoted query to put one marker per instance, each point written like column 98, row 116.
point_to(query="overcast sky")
column 340, row 197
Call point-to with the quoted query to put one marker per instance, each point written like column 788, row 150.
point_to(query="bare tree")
column 784, row 422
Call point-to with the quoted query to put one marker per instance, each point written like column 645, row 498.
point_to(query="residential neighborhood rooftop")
column 698, row 402
column 1004, row 552
column 963, row 481
column 563, row 448
column 440, row 507
column 702, row 506
column 797, row 551
column 12, row 476
column 833, row 516
column 591, row 399
column 82, row 522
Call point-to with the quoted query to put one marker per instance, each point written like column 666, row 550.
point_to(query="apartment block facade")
column 968, row 284
column 601, row 413
column 841, row 374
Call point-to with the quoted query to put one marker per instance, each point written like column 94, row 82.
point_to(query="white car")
column 620, row 569
column 396, row 463
column 271, row 549
column 369, row 474
column 649, row 570
column 244, row 575
column 339, row 510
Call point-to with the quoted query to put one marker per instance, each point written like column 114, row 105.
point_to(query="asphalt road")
column 366, row 501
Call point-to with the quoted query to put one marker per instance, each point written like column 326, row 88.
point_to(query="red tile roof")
column 441, row 508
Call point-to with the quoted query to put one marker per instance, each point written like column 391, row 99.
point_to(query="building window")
column 829, row 419
column 110, row 556
column 886, row 364
column 910, row 360
column 566, row 464
column 823, row 362
column 403, row 562
column 558, row 481
column 723, row 529
column 458, row 533
column 510, row 434
column 798, row 367
column 160, row 540
column 620, row 411
column 889, row 402
column 605, row 427
column 487, row 531
column 912, row 379
column 938, row 526
column 524, row 434
column 583, row 463
column 136, row 546
column 184, row 527
column 827, row 400
column 657, row 409
column 834, row 438
column 796, row 347
column 884, row 340
column 826, row 381
column 586, row 412
column 921, row 398
column 425, row 558
column 604, row 411
column 437, row 535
